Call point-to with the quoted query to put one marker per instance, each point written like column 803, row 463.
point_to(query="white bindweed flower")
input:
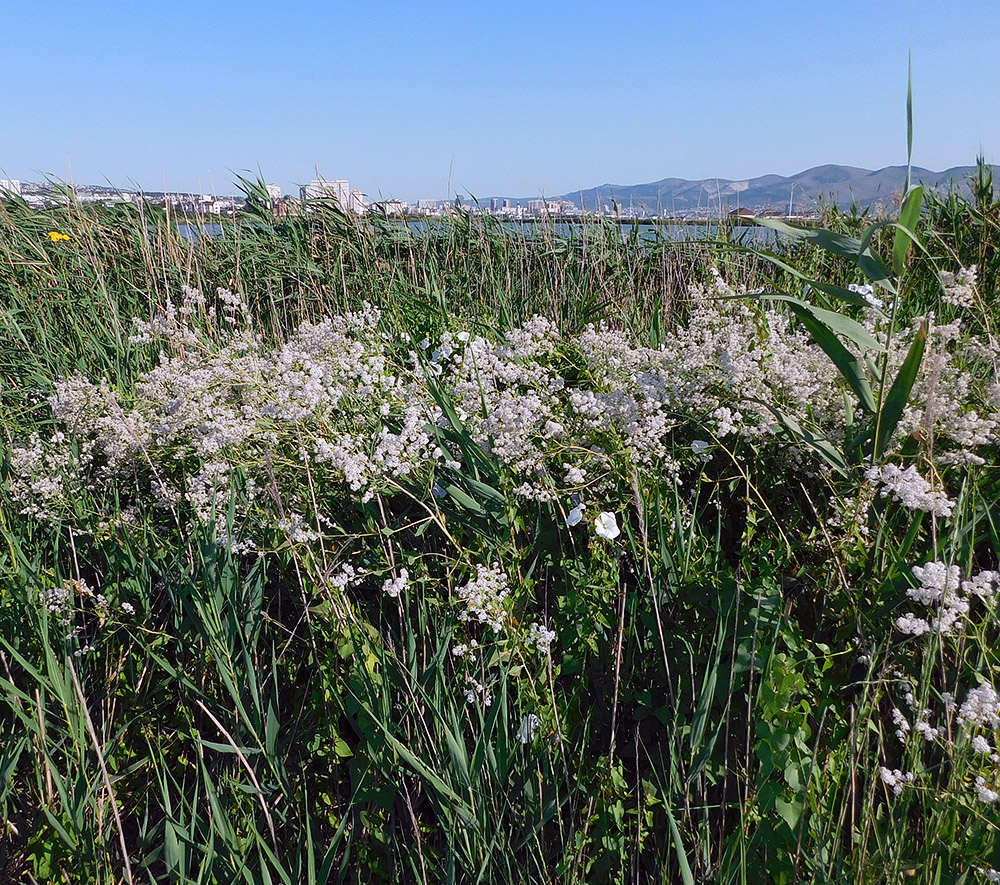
column 699, row 446
column 606, row 526
column 529, row 728
column 574, row 516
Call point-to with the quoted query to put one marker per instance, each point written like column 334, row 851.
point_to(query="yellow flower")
column 57, row 237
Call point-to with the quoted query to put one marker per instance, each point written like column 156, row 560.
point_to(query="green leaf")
column 843, row 246
column 850, row 366
column 834, row 291
column 824, row 448
column 847, row 327
column 790, row 812
column 899, row 393
column 682, row 862
column 909, row 215
column 452, row 801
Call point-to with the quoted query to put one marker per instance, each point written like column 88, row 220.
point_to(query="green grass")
column 719, row 699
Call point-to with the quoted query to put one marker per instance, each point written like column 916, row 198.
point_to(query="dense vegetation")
column 334, row 551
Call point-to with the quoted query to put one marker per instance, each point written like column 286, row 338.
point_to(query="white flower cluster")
column 978, row 712
column 909, row 488
column 484, row 597
column 477, row 691
column 361, row 408
column 960, row 287
column 43, row 475
column 941, row 587
column 981, row 707
column 955, row 401
column 468, row 650
column 218, row 399
column 58, row 601
column 394, row 586
column 895, row 779
column 172, row 322
column 981, row 746
column 985, row 793
column 540, row 637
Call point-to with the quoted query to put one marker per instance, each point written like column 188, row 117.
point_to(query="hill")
column 803, row 192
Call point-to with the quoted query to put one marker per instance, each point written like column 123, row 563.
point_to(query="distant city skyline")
column 671, row 199
column 425, row 101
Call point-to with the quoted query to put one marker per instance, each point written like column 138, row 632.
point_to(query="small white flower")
column 394, row 586
column 699, row 446
column 128, row 608
column 606, row 526
column 541, row 637
column 981, row 745
column 574, row 516
column 984, row 793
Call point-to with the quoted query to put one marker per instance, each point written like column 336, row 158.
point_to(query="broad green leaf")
column 837, row 322
column 466, row 500
column 899, row 393
column 834, row 291
column 909, row 215
column 850, row 366
column 836, row 244
column 790, row 812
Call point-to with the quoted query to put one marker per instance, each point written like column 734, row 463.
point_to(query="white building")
column 320, row 188
column 550, row 207
column 273, row 191
column 10, row 186
column 394, row 207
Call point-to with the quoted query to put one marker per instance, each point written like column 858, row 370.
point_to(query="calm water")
column 195, row 232
column 752, row 236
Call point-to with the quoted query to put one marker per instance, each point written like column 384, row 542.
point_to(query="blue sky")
column 425, row 99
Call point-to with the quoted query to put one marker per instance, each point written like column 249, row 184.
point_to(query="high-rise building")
column 10, row 186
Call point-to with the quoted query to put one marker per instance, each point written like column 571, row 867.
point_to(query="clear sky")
column 433, row 97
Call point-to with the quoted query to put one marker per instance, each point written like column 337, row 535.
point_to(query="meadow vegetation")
column 335, row 551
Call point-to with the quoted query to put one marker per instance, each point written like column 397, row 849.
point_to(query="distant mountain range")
column 804, row 192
